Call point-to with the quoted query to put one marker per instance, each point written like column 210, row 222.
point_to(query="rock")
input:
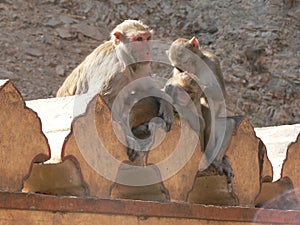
column 97, row 33
column 33, row 52
column 53, row 23
column 64, row 33
column 66, row 19
column 5, row 74
column 60, row 70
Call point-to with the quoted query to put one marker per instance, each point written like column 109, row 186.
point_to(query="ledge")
column 87, row 205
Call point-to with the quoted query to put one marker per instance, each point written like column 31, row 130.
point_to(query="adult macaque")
column 186, row 55
column 115, row 64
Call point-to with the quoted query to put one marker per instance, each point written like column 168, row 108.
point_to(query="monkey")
column 178, row 87
column 186, row 55
column 254, row 57
column 112, row 66
column 186, row 93
column 203, row 68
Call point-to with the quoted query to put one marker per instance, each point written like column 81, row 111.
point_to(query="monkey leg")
column 221, row 161
column 138, row 147
column 223, row 167
column 166, row 113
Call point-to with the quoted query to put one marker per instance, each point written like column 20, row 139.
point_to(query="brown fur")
column 141, row 116
column 105, row 71
column 183, row 56
column 186, row 55
column 186, row 82
column 204, row 69
column 114, row 65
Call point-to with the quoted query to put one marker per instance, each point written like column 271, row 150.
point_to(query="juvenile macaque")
column 186, row 55
column 186, row 93
column 203, row 68
column 114, row 65
column 254, row 57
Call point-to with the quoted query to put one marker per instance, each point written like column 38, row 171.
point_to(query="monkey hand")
column 167, row 114
column 133, row 146
column 224, row 168
column 140, row 145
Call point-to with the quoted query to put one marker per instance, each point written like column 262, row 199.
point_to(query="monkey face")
column 178, row 94
column 132, row 42
column 182, row 58
column 139, row 47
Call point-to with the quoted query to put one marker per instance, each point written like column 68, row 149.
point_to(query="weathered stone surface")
column 56, row 179
column 178, row 158
column 155, row 191
column 244, row 152
column 93, row 143
column 291, row 165
column 282, row 192
column 212, row 190
column 278, row 195
column 21, row 138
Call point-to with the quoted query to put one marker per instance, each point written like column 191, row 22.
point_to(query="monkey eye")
column 139, row 39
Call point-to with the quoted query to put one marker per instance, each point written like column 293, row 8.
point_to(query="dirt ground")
column 42, row 41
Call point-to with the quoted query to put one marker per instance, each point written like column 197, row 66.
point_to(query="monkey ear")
column 194, row 42
column 117, row 37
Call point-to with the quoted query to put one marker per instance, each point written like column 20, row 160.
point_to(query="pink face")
column 141, row 37
column 141, row 46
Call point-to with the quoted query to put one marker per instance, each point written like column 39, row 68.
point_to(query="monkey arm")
column 166, row 113
column 154, row 88
column 69, row 86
